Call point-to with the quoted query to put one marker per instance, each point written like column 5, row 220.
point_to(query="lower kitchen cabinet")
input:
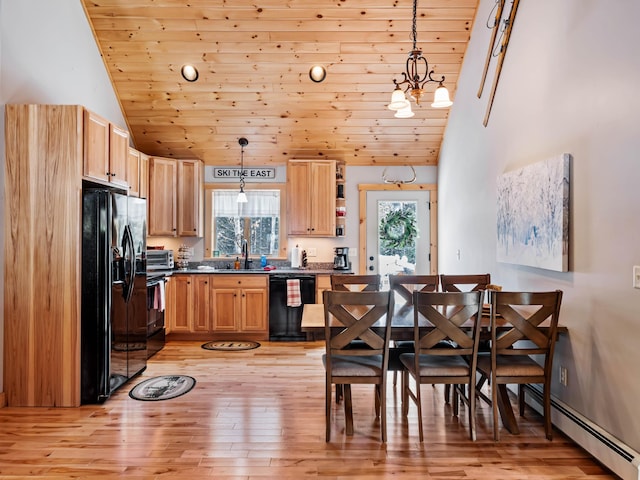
column 323, row 282
column 180, row 304
column 240, row 304
column 190, row 308
column 218, row 304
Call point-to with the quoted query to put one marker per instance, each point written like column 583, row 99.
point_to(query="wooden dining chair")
column 355, row 283
column 466, row 283
column 442, row 316
column 403, row 287
column 356, row 353
column 524, row 314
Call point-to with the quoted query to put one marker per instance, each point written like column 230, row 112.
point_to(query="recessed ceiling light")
column 189, row 73
column 317, row 73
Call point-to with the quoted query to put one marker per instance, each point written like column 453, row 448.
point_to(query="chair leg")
column 447, row 393
column 348, row 409
column 405, row 394
column 472, row 411
column 548, row 428
column 454, row 399
column 338, row 393
column 521, row 399
column 419, row 404
column 376, row 398
column 494, row 406
column 327, row 410
column 383, row 411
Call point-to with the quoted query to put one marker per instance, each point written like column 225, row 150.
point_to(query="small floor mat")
column 165, row 387
column 231, row 346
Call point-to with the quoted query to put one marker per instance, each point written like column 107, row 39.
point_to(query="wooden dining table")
column 402, row 329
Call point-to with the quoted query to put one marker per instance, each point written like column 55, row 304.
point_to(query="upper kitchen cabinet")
column 106, row 150
column 176, row 197
column 163, row 184
column 133, row 172
column 190, row 198
column 311, row 198
column 144, row 175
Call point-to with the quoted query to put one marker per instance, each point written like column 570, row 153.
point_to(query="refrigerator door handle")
column 129, row 258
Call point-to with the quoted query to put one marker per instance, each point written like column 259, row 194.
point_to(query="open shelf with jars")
column 341, row 202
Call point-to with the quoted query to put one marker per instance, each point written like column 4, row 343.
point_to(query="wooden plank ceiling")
column 254, row 58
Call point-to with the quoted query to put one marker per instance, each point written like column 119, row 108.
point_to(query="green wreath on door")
column 398, row 229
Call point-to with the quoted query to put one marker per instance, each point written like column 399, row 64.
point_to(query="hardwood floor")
column 260, row 414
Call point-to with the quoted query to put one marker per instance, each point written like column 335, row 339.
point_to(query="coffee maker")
column 341, row 259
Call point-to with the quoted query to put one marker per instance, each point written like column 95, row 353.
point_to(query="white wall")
column 48, row 55
column 569, row 85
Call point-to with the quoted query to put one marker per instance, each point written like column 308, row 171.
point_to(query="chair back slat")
column 405, row 285
column 355, row 283
column 350, row 316
column 447, row 312
column 525, row 313
column 464, row 283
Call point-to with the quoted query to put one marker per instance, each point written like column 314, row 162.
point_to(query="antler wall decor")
column 399, row 182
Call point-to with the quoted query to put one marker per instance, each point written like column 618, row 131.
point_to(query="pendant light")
column 416, row 76
column 242, row 197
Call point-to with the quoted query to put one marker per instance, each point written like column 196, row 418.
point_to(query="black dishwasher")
column 284, row 321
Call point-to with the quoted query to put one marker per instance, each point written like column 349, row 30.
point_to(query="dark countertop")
column 258, row 271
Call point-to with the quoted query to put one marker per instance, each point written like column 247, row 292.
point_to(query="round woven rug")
column 165, row 387
column 231, row 346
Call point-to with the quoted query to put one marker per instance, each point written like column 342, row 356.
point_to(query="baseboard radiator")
column 608, row 450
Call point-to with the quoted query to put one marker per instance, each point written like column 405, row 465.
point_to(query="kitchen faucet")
column 245, row 253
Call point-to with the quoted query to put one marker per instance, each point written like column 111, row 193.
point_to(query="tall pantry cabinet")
column 43, row 214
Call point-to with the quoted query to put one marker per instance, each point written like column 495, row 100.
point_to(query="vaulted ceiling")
column 253, row 58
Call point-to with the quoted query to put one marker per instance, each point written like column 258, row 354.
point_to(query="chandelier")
column 415, row 80
column 242, row 197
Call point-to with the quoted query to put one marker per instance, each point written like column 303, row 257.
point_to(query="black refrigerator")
column 114, row 292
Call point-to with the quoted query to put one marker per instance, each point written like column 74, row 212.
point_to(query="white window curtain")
column 261, row 203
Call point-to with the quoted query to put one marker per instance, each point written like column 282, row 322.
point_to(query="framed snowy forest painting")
column 533, row 215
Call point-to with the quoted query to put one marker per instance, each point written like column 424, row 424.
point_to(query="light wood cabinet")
column 44, row 154
column 162, row 201
column 176, row 197
column 170, row 304
column 190, row 198
column 323, row 282
column 106, row 150
column 190, row 307
column 311, row 198
column 182, row 296
column 133, row 172
column 118, row 153
column 240, row 304
column 144, row 175
column 224, row 303
column 201, row 305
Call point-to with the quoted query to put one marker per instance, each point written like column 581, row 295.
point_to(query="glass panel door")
column 398, row 236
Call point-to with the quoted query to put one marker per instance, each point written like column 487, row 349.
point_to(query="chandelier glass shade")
column 416, row 75
column 405, row 112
